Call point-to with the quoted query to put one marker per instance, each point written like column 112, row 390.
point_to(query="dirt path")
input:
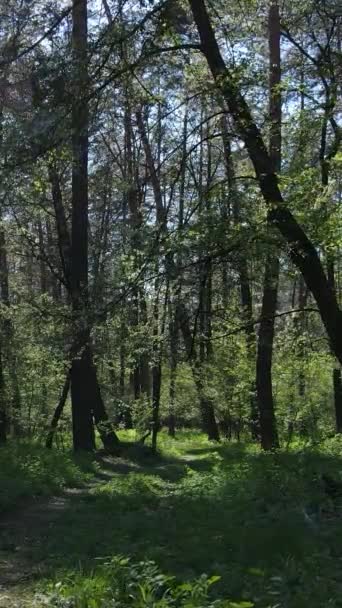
column 26, row 528
column 20, row 531
column 29, row 525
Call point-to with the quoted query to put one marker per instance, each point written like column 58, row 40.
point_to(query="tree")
column 268, row 428
column 301, row 250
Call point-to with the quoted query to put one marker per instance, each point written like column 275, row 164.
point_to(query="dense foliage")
column 170, row 259
column 156, row 253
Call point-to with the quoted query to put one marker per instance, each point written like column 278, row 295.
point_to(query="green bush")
column 120, row 583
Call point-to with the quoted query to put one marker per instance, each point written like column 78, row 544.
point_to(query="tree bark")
column 176, row 289
column 268, row 427
column 86, row 400
column 173, row 332
column 337, row 382
column 156, row 388
column 206, row 406
column 82, row 420
column 58, row 412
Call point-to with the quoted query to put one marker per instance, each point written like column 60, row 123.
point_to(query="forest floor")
column 262, row 523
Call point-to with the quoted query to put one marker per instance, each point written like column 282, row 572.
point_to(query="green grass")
column 28, row 470
column 225, row 510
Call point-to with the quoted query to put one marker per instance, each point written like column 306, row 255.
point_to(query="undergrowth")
column 28, row 470
column 259, row 525
column 121, row 583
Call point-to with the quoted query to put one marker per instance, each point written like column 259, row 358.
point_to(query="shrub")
column 121, row 583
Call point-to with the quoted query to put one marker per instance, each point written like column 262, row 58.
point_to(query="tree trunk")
column 81, row 404
column 86, row 400
column 206, row 405
column 337, row 378
column 42, row 264
column 268, row 427
column 58, row 412
column 302, row 251
column 173, row 332
column 176, row 288
column 156, row 387
column 82, row 419
column 104, row 426
column 325, row 174
column 337, row 381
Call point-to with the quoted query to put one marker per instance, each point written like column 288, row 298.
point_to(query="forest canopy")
column 170, row 219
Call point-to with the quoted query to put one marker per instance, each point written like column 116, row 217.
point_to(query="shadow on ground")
column 216, row 509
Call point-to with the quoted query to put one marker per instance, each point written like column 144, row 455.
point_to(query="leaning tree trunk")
column 301, row 250
column 58, row 412
column 206, row 405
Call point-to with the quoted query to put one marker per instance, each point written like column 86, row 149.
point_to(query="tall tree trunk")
column 173, row 332
column 156, row 370
column 268, row 428
column 301, row 250
column 141, row 373
column 86, row 400
column 42, row 264
column 82, row 419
